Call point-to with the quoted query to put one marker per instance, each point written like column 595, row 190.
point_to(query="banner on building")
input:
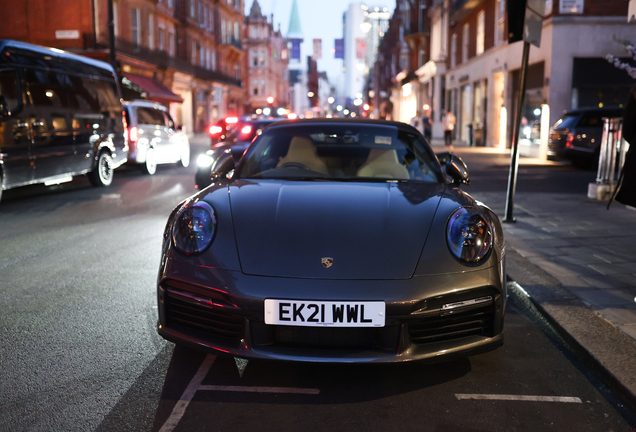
column 295, row 49
column 339, row 49
column 317, row 49
column 361, row 48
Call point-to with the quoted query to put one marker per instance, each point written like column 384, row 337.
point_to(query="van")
column 61, row 115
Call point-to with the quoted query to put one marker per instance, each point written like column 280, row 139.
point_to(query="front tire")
column 102, row 174
column 150, row 167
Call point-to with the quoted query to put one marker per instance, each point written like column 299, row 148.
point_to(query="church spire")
column 294, row 31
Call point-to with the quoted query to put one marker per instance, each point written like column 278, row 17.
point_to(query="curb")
column 595, row 364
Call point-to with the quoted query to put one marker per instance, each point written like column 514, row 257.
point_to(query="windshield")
column 339, row 152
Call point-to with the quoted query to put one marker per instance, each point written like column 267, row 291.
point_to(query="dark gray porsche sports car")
column 335, row 241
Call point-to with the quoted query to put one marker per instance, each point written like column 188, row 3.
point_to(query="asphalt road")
column 79, row 350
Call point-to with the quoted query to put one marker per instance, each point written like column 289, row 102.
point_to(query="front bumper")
column 223, row 312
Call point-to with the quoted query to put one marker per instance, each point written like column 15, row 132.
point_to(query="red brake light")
column 570, row 138
column 215, row 130
column 133, row 134
column 292, row 116
column 231, row 120
column 246, row 130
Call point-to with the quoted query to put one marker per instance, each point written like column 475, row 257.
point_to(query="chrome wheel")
column 151, row 162
column 102, row 174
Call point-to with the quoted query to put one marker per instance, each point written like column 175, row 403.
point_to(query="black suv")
column 577, row 135
column 60, row 116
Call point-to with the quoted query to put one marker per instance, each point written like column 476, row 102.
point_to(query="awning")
column 154, row 90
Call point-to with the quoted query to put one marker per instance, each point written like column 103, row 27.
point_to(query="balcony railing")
column 163, row 60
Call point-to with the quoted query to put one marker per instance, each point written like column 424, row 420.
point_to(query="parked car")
column 233, row 146
column 153, row 137
column 577, row 135
column 335, row 240
column 60, row 116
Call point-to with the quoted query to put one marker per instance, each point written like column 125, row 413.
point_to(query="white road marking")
column 188, row 394
column 564, row 399
column 260, row 389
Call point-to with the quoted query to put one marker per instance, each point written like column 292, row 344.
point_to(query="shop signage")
column 67, row 34
column 464, row 78
column 571, row 6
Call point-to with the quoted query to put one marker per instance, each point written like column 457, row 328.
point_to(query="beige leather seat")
column 383, row 163
column 302, row 151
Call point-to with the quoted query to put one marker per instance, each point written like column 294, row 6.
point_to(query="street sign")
column 525, row 21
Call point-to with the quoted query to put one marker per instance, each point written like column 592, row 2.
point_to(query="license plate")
column 310, row 313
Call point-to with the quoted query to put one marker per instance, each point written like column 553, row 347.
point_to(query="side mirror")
column 223, row 167
column 457, row 170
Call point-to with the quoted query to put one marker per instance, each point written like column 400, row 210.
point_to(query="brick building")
column 184, row 53
column 267, row 58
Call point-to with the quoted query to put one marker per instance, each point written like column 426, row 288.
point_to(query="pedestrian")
column 448, row 124
column 625, row 192
column 427, row 125
column 416, row 122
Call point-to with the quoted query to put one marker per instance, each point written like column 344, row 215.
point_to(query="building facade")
column 472, row 70
column 267, row 58
column 183, row 53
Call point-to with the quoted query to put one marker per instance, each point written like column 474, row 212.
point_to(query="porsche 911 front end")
column 334, row 241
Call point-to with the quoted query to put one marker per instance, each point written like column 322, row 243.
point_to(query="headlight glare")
column 194, row 228
column 468, row 235
column 205, row 161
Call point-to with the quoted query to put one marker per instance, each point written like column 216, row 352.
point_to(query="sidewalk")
column 576, row 262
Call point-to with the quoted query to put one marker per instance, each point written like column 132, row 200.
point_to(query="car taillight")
column 246, row 130
column 133, row 134
column 215, row 130
column 569, row 139
column 125, row 123
column 231, row 120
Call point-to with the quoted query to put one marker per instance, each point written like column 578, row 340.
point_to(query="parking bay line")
column 195, row 385
column 180, row 408
column 289, row 390
column 564, row 399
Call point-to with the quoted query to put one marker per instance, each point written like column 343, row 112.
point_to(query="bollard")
column 611, row 159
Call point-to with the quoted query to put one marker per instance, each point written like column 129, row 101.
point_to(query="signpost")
column 525, row 20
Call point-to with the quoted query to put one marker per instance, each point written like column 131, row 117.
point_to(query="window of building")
column 453, row 49
column 481, row 28
column 171, row 42
column 465, row 42
column 237, row 4
column 200, row 14
column 263, row 87
column 223, row 31
column 207, row 58
column 201, row 56
column 193, row 53
column 135, row 25
column 151, row 31
column 254, row 56
column 237, row 71
column 115, row 20
column 237, row 32
column 205, row 17
column 255, row 87
column 254, row 33
column 211, row 21
column 262, row 59
column 500, row 19
column 162, row 38
column 213, row 60
column 193, row 8
column 170, row 4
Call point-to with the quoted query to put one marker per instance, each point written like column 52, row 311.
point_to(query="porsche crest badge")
column 326, row 262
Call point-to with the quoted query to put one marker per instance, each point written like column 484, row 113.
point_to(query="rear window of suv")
column 568, row 121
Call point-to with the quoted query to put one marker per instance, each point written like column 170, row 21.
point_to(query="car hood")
column 369, row 230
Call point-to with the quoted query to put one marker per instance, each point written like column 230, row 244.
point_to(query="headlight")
column 194, row 228
column 205, row 161
column 468, row 235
